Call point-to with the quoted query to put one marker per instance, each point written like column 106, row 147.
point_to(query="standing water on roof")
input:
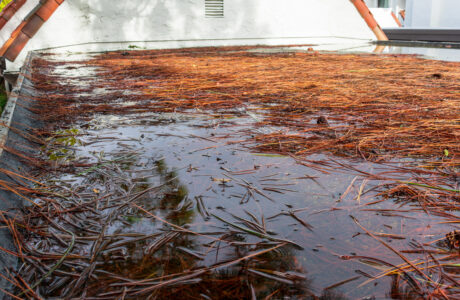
column 227, row 174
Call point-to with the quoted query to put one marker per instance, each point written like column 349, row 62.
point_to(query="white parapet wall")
column 108, row 22
column 383, row 17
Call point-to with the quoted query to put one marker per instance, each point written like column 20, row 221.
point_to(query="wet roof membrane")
column 224, row 173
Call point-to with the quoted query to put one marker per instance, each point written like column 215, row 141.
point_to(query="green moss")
column 3, row 3
column 3, row 98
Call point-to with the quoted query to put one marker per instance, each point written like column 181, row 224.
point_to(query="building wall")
column 395, row 5
column 383, row 15
column 448, row 14
column 433, row 14
column 101, row 20
column 87, row 21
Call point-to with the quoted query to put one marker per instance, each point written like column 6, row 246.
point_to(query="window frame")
column 383, row 3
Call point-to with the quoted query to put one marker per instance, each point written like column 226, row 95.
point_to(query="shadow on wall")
column 149, row 20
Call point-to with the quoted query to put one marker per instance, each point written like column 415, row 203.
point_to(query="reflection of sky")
column 199, row 161
column 426, row 52
column 431, row 53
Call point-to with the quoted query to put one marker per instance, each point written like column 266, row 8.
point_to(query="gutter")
column 8, row 199
column 370, row 20
column 7, row 114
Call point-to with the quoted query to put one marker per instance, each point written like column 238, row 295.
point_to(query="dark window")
column 383, row 3
column 214, row 8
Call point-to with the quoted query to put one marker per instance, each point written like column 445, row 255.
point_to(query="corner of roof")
column 28, row 28
column 9, row 11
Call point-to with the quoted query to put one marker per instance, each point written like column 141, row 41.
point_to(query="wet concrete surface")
column 212, row 172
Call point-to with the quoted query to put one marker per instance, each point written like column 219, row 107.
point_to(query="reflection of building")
column 387, row 11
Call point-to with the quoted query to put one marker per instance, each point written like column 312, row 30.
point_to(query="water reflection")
column 137, row 248
column 263, row 195
column 171, row 205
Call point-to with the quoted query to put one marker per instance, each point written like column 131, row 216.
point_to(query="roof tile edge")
column 9, row 11
column 28, row 28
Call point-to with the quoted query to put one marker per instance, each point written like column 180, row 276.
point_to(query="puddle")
column 214, row 176
column 176, row 205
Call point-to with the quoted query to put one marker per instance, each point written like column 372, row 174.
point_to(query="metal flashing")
column 7, row 114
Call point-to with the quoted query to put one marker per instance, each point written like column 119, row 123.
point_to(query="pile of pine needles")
column 380, row 108
column 370, row 106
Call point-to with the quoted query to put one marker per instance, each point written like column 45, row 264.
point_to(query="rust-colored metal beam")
column 370, row 20
column 402, row 13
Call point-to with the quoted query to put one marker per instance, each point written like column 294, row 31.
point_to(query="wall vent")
column 214, row 8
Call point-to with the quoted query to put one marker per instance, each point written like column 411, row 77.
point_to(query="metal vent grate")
column 214, row 8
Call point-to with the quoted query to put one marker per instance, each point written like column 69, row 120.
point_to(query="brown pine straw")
column 392, row 249
column 376, row 108
column 384, row 109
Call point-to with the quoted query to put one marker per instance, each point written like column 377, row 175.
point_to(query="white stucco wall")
column 433, row 14
column 88, row 21
column 384, row 17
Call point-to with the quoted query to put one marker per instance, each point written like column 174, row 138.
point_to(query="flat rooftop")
column 237, row 172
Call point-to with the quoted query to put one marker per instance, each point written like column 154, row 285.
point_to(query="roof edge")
column 9, row 11
column 28, row 28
